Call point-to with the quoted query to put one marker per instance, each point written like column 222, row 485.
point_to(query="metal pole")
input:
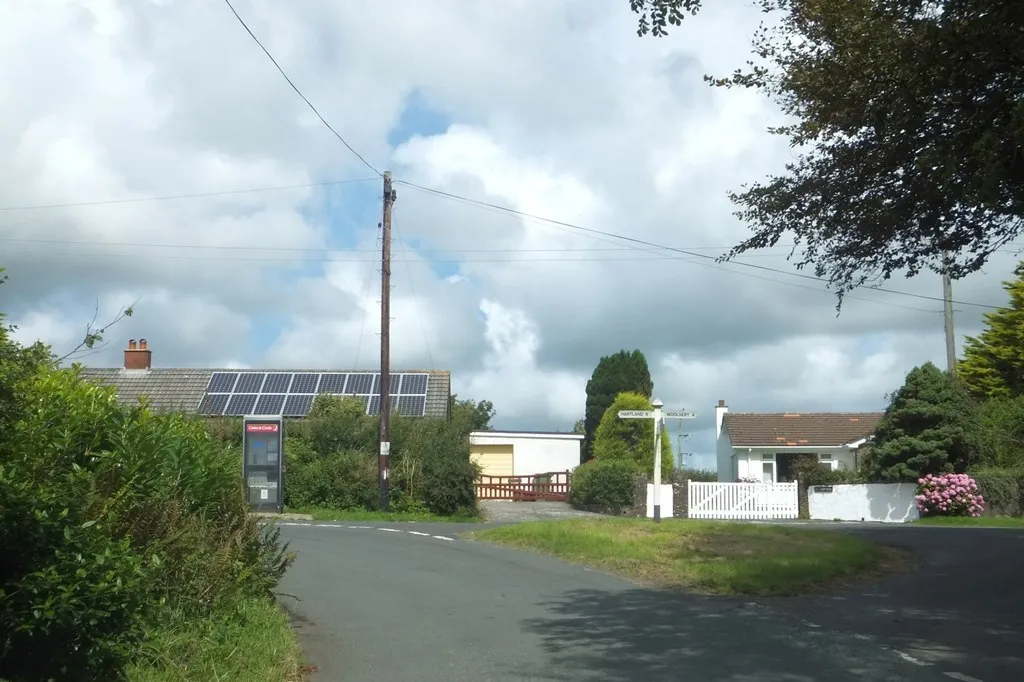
column 384, row 459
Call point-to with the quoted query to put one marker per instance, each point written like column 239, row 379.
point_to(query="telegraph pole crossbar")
column 384, row 460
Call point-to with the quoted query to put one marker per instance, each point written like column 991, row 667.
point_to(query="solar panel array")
column 291, row 394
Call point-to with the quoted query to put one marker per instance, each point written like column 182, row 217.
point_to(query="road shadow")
column 663, row 635
column 963, row 608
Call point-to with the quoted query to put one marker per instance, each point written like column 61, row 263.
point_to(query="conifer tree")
column 928, row 428
column 993, row 362
column 625, row 371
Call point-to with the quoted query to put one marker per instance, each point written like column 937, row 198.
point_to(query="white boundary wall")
column 879, row 502
column 665, row 501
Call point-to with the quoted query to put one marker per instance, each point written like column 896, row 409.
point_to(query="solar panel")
column 360, row 384
column 241, row 404
column 414, row 384
column 304, row 383
column 373, row 408
column 332, row 383
column 249, row 382
column 222, row 382
column 376, row 385
column 277, row 383
column 411, row 405
column 297, row 405
column 270, row 403
column 213, row 405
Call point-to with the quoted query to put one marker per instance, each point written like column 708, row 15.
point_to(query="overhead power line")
column 507, row 261
column 168, row 197
column 688, row 252
column 297, row 91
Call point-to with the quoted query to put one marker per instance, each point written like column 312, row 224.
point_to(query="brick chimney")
column 138, row 355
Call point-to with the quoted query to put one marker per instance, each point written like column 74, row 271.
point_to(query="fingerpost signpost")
column 657, row 415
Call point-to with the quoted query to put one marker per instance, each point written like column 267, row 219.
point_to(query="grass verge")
column 252, row 641
column 968, row 521
column 364, row 515
column 707, row 556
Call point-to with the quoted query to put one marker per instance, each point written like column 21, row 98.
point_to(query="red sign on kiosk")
column 261, row 428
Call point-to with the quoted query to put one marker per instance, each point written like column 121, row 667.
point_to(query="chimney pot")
column 138, row 355
column 721, row 403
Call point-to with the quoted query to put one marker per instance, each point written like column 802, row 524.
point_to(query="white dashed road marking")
column 962, row 677
column 386, row 530
column 909, row 658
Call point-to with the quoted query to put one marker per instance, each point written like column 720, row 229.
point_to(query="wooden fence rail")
column 553, row 486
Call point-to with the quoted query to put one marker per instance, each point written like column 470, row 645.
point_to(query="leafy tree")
column 477, row 414
column 1001, row 433
column 928, row 428
column 631, row 439
column 908, row 123
column 993, row 363
column 614, row 374
column 579, row 426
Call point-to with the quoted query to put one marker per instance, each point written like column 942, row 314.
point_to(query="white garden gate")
column 742, row 500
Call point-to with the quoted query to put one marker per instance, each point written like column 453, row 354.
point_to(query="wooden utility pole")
column 384, row 460
column 947, row 309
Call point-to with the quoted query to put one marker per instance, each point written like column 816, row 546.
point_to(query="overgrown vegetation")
column 126, row 535
column 708, row 556
column 331, row 459
column 972, row 423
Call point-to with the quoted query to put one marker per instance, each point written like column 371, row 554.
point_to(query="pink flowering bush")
column 949, row 495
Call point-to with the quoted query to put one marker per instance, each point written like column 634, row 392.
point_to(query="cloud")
column 556, row 111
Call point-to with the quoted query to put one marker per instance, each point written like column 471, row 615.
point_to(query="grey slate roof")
column 181, row 390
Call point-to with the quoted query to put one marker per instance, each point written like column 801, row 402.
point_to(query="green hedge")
column 1003, row 490
column 605, row 485
column 331, row 459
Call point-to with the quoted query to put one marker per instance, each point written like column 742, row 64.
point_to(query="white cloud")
column 557, row 109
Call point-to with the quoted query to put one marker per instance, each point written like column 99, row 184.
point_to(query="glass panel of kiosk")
column 263, row 462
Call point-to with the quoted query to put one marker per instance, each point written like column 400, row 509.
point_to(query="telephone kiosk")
column 263, row 463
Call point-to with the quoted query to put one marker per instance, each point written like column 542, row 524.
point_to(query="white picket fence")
column 743, row 500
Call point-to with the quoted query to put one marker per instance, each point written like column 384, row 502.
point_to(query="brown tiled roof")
column 789, row 429
column 181, row 390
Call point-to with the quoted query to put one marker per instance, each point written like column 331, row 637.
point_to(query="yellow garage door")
column 495, row 460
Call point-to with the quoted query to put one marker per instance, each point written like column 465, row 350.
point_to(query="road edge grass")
column 972, row 522
column 321, row 514
column 708, row 557
column 252, row 640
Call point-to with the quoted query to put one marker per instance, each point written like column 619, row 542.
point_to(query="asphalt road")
column 962, row 611
column 394, row 606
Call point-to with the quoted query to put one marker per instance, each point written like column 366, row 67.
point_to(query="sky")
column 154, row 155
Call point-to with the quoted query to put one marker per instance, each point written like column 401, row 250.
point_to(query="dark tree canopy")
column 928, row 428
column 614, row 374
column 907, row 125
column 993, row 362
